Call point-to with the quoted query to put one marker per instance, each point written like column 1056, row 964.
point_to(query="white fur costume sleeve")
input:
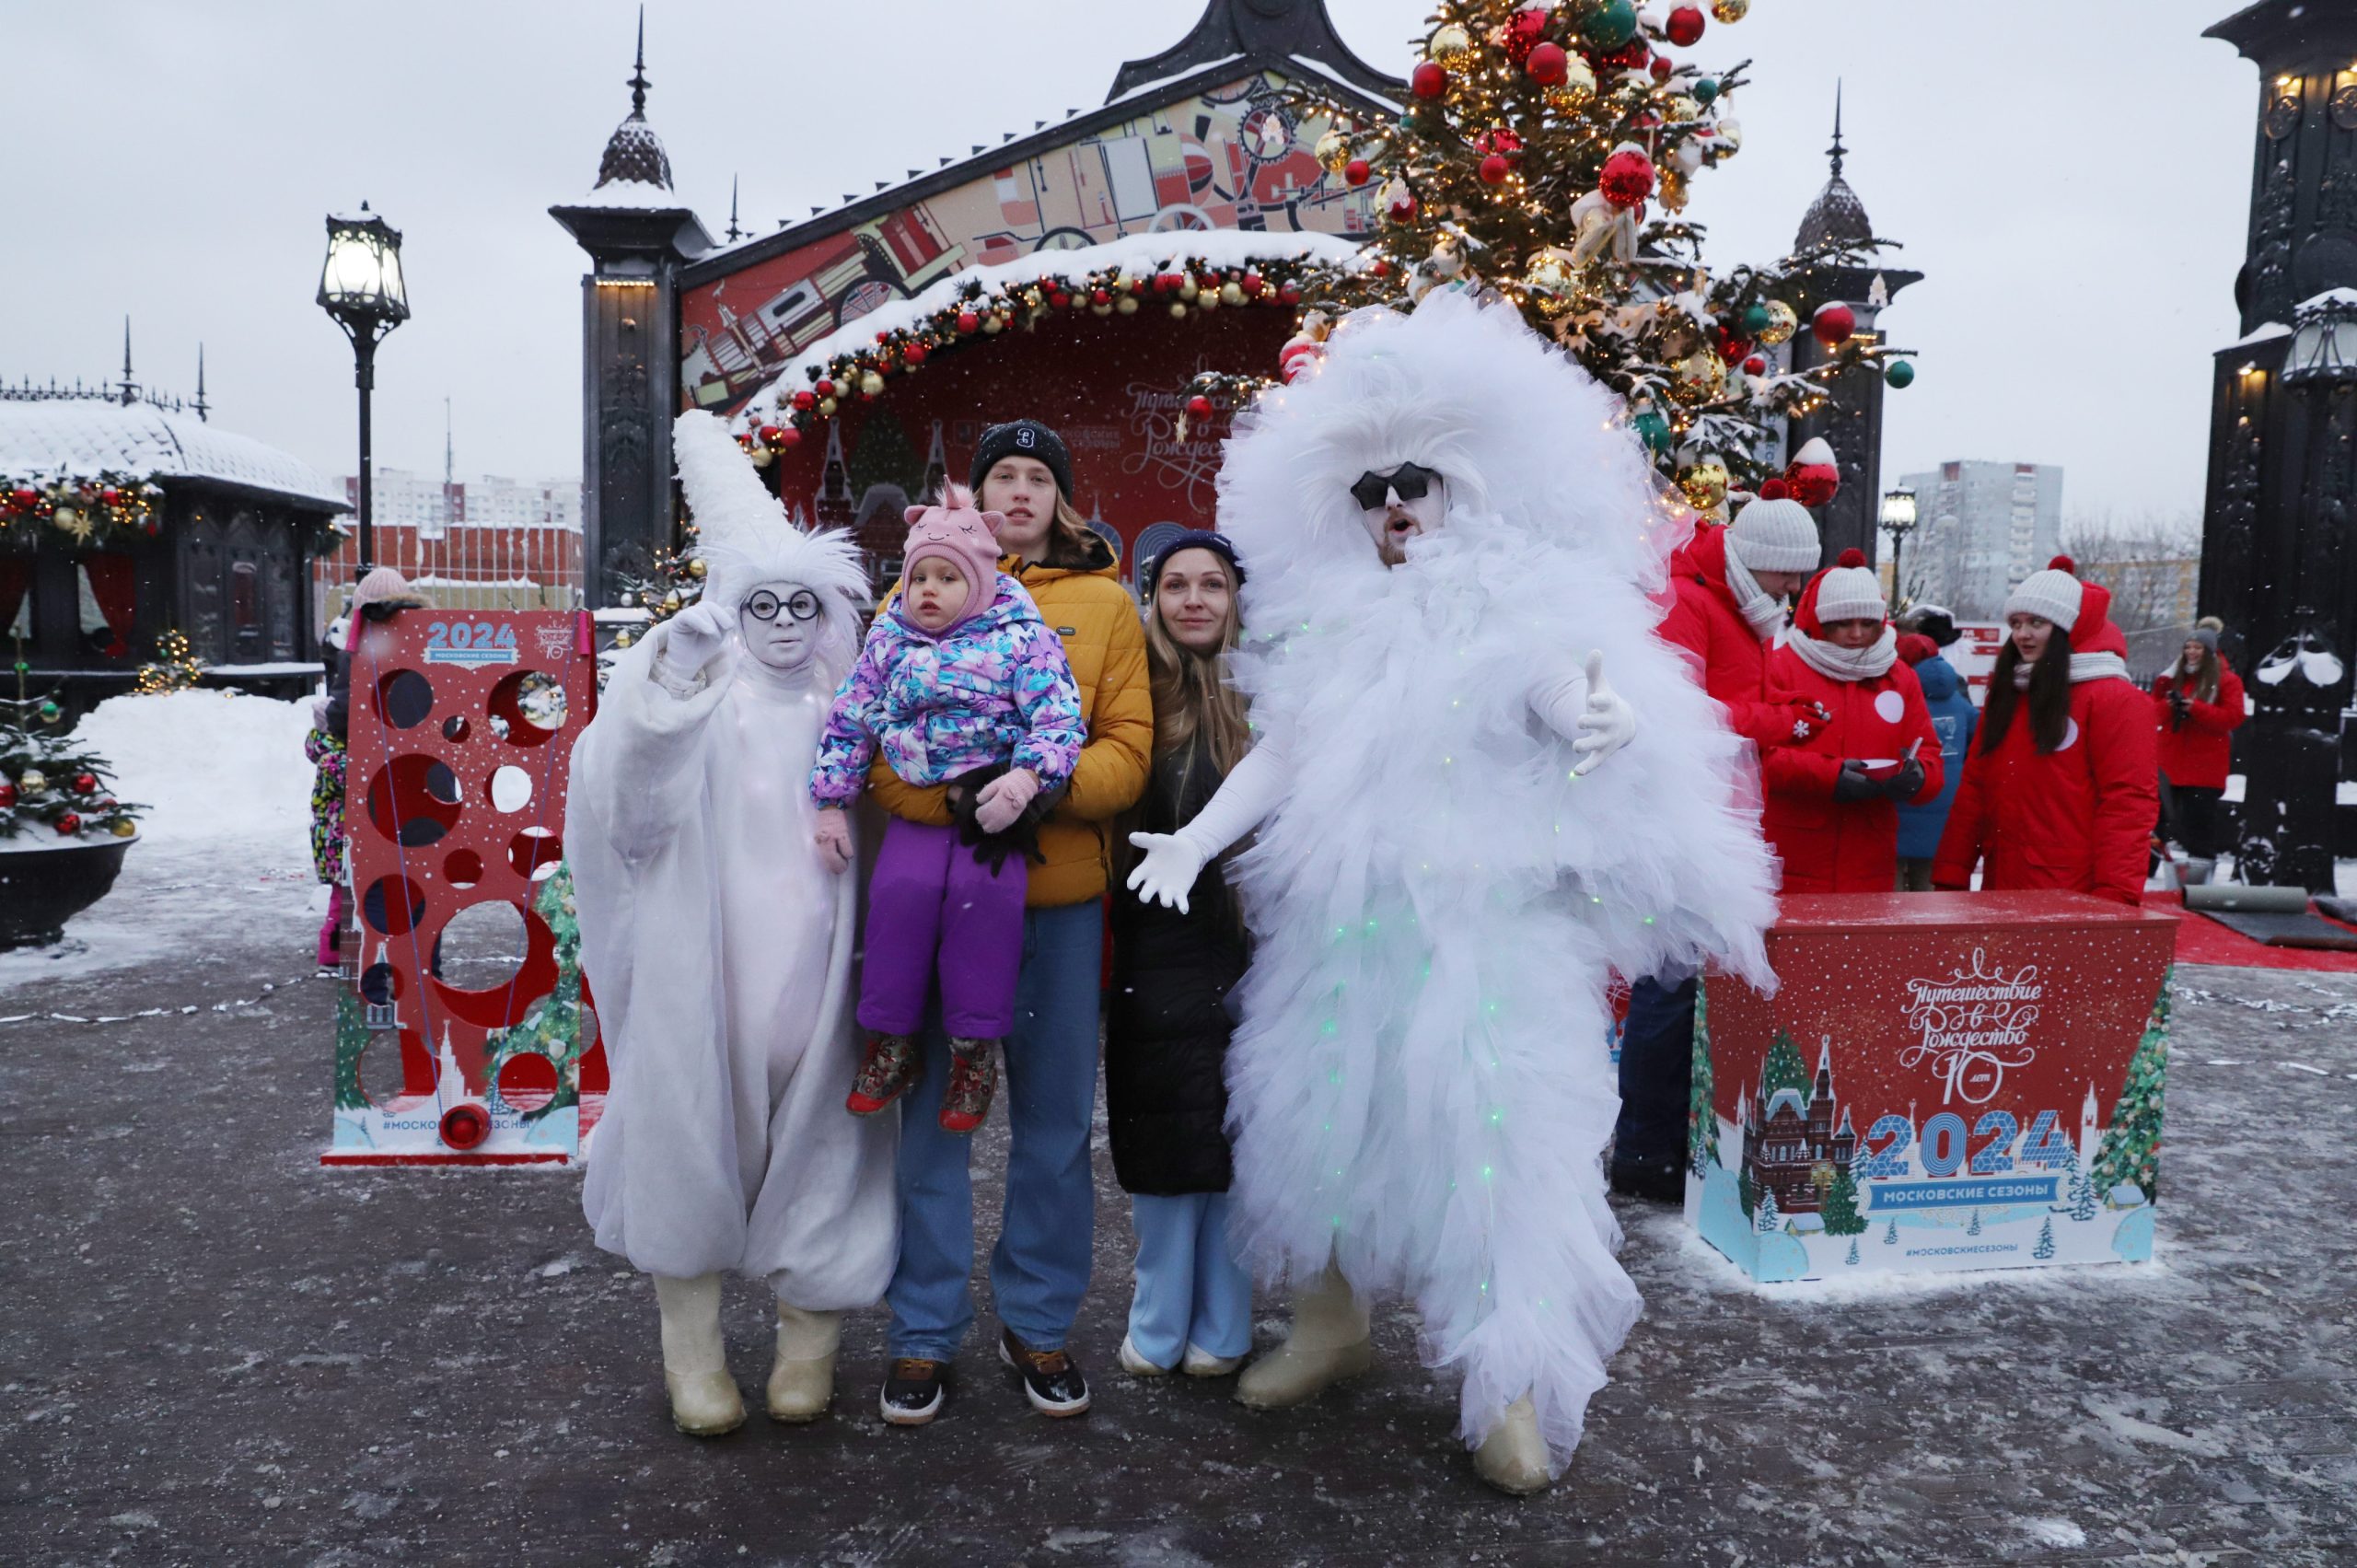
column 1419, row 1089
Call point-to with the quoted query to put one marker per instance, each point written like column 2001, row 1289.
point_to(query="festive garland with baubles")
column 83, row 509
column 1183, row 286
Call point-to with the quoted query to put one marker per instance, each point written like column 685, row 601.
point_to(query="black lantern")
column 360, row 286
column 2324, row 339
column 1898, row 521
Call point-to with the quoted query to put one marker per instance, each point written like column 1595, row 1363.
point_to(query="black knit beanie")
column 1193, row 539
column 1022, row 437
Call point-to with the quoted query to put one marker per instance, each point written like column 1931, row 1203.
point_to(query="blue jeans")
column 1039, row 1269
column 1656, row 1074
column 1190, row 1289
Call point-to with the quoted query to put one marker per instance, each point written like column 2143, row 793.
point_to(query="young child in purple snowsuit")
column 960, row 683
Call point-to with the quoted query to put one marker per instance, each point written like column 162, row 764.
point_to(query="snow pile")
column 1143, row 254
column 224, row 844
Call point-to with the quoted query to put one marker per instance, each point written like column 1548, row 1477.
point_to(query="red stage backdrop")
column 467, row 1037
column 1943, row 1081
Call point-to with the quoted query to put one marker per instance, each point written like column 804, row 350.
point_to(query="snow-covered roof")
column 632, row 195
column 1786, row 1099
column 77, row 437
column 1139, row 253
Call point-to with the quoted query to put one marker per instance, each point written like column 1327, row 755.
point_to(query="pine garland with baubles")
column 52, row 788
column 1535, row 142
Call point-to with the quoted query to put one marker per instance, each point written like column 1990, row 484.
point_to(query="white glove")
column 691, row 640
column 1166, row 873
column 832, row 835
column 1609, row 722
column 1004, row 798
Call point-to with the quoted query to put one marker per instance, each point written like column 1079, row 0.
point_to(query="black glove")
column 2179, row 710
column 1903, row 785
column 1018, row 837
column 1852, row 782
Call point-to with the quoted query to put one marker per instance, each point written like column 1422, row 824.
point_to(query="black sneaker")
column 1052, row 1379
column 914, row 1389
column 1654, row 1183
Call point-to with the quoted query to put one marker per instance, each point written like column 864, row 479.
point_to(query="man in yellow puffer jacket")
column 1040, row 1271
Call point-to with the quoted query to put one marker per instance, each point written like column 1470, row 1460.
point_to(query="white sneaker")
column 1202, row 1363
column 1137, row 1366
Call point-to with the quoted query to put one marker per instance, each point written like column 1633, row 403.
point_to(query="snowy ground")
column 215, row 1351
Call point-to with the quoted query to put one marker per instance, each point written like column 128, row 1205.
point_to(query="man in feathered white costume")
column 1419, row 1091
column 719, row 947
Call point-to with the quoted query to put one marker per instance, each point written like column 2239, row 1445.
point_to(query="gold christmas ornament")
column 671, row 599
column 1681, row 109
column 1188, row 291
column 1730, row 10
column 123, row 827
column 1207, row 299
column 1730, row 138
column 1550, row 273
column 696, row 568
column 1333, row 151
column 870, row 384
column 827, row 406
column 31, row 782
column 1450, row 45
column 1701, row 376
column 1782, row 322
column 1706, row 483
column 1672, row 189
column 623, row 639
column 760, row 457
column 1231, row 294
column 1127, row 305
column 1178, row 310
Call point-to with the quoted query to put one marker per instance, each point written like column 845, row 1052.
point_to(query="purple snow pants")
column 930, row 896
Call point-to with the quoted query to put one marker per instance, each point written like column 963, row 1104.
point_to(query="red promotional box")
column 1941, row 1081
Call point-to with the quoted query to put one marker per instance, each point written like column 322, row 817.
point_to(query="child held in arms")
column 962, row 684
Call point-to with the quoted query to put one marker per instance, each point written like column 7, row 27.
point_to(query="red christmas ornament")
column 1632, row 55
column 1661, row 68
column 826, row 387
column 69, row 825
column 968, row 322
column 109, row 495
column 788, row 436
column 24, row 498
column 1101, row 297
column 1813, row 477
column 769, row 434
column 1058, row 299
column 1494, row 170
column 1548, row 64
column 1357, row 172
column 805, row 401
column 1402, row 207
column 1198, row 407
column 1251, row 283
column 1730, row 348
column 8, row 795
column 1685, row 26
column 1833, row 324
column 1429, row 80
column 915, row 353
column 1524, row 33
column 1381, row 269
column 1627, row 178
column 1756, row 366
column 1170, row 283
column 1773, row 490
column 1289, row 293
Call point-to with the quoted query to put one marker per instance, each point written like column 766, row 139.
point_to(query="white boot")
column 1327, row 1343
column 704, row 1401
column 1513, row 1457
column 802, row 1379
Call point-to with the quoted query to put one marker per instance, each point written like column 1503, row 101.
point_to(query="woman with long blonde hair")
column 1168, row 1027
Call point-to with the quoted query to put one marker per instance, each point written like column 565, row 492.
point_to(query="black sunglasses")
column 1411, row 480
column 764, row 605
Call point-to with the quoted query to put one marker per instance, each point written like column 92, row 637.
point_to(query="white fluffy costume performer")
column 720, row 949
column 1419, row 1089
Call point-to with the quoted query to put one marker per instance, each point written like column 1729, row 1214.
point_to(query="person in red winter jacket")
column 2059, row 791
column 1832, row 813
column 2199, row 702
column 1731, row 584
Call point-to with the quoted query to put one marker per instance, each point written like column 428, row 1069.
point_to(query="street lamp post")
column 1899, row 521
column 361, row 286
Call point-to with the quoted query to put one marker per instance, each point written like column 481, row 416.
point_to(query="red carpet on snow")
column 2201, row 940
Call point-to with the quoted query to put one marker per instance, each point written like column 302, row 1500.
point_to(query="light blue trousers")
column 1190, row 1289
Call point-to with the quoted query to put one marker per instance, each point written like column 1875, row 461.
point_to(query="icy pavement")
column 215, row 1351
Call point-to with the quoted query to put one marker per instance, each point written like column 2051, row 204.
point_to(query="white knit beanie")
column 2053, row 593
column 1850, row 593
column 1774, row 536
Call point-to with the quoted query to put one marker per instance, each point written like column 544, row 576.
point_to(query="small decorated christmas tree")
column 52, row 787
column 2129, row 1154
column 2045, row 1247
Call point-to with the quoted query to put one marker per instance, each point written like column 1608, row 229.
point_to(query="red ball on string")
column 805, row 400
column 1289, row 292
column 968, row 322
column 1756, row 366
column 1495, row 169
column 769, row 434
column 1833, row 323
column 1101, row 297
column 1548, row 64
column 788, row 436
column 69, row 825
column 1685, row 26
column 1429, row 80
column 1357, row 172
column 1198, row 407
column 1251, row 283
column 1661, row 68
column 1731, row 347
column 826, row 387
column 1632, row 55
column 1627, row 178
column 8, row 795
column 1524, row 33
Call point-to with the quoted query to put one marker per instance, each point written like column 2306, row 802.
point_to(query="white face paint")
column 1399, row 518
column 784, row 642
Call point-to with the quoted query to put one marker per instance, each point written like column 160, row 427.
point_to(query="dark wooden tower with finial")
column 2279, row 558
column 638, row 234
column 1852, row 421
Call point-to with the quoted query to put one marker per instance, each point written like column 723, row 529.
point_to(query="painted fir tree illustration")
column 2131, row 1151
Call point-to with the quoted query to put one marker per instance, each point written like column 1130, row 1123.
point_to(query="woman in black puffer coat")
column 1167, row 1030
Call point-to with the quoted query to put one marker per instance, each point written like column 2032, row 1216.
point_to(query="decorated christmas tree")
column 52, row 787
column 2131, row 1151
column 1841, row 1214
column 1784, row 1069
column 1546, row 158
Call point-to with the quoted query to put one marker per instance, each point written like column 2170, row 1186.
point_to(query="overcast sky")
column 2073, row 180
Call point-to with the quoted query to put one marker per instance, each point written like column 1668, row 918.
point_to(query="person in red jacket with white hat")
column 2198, row 701
column 1832, row 812
column 2060, row 790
